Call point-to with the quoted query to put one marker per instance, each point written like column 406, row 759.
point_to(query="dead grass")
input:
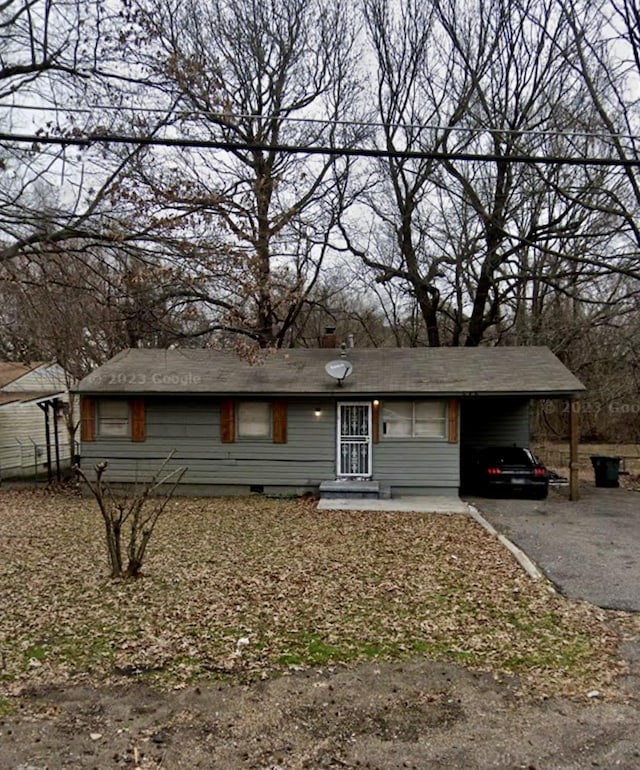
column 303, row 587
column 555, row 454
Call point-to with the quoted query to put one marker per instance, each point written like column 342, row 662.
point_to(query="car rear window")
column 508, row 456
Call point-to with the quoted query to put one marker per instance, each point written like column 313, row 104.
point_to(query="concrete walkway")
column 590, row 549
column 424, row 504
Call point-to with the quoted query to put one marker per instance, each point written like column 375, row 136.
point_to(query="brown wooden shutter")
column 227, row 421
column 87, row 418
column 375, row 422
column 453, row 420
column 279, row 422
column 138, row 419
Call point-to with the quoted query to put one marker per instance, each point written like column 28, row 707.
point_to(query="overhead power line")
column 189, row 113
column 357, row 152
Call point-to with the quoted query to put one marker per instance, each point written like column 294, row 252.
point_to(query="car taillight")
column 539, row 471
column 494, row 471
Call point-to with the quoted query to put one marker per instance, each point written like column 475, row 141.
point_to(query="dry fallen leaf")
column 302, row 587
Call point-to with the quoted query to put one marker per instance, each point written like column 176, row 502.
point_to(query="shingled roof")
column 14, row 385
column 525, row 371
column 12, row 370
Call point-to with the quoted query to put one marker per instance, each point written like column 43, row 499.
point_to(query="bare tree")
column 211, row 244
column 42, row 38
column 56, row 57
column 254, row 223
column 409, row 99
column 134, row 518
column 82, row 307
column 605, row 53
column 46, row 53
column 485, row 79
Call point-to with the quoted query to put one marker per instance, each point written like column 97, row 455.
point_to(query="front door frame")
column 366, row 440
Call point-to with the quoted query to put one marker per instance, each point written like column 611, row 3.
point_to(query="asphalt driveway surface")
column 589, row 548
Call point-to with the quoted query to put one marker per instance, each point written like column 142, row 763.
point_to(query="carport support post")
column 574, row 439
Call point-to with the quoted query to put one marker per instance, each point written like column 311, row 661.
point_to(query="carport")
column 505, row 420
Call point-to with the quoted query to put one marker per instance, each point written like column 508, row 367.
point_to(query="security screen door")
column 354, row 440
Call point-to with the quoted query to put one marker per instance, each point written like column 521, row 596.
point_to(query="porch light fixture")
column 376, row 402
column 318, row 411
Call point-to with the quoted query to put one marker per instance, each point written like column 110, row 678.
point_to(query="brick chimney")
column 329, row 339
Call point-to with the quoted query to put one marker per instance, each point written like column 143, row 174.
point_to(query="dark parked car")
column 511, row 471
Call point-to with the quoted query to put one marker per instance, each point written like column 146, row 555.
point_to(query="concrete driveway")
column 590, row 548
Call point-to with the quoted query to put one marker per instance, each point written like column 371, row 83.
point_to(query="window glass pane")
column 397, row 418
column 254, row 419
column 113, row 418
column 417, row 419
column 430, row 419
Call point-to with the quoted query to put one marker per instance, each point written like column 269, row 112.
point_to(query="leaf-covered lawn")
column 303, row 587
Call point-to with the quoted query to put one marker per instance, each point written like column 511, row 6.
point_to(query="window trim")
column 278, row 417
column 90, row 421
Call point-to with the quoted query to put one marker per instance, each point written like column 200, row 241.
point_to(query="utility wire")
column 189, row 113
column 357, row 152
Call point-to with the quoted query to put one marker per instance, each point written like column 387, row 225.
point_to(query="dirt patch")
column 409, row 715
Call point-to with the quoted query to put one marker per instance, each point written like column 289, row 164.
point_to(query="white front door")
column 354, row 440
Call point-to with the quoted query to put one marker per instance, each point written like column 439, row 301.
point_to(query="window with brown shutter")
column 453, row 420
column 227, row 421
column 138, row 419
column 87, row 418
column 279, row 422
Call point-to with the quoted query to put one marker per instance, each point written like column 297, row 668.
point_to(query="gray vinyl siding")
column 422, row 464
column 192, row 428
column 495, row 422
column 417, row 465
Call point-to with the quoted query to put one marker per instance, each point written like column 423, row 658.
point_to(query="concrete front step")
column 354, row 489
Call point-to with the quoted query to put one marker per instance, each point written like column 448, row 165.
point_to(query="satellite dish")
column 339, row 369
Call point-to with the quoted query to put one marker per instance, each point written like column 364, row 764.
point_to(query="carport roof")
column 523, row 371
column 16, row 397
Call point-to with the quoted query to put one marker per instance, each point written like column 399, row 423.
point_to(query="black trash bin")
column 607, row 470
